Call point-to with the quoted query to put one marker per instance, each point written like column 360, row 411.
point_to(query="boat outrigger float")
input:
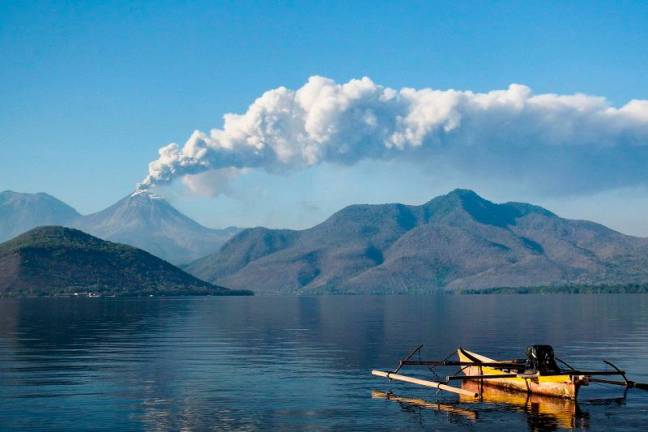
column 539, row 373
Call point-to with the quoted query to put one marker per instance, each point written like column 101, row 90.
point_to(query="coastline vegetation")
column 563, row 289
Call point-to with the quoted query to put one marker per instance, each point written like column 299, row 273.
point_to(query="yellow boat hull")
column 564, row 386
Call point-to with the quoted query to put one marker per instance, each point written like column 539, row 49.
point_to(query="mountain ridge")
column 455, row 241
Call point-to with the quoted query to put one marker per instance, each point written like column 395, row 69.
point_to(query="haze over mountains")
column 20, row 212
column 143, row 220
column 456, row 241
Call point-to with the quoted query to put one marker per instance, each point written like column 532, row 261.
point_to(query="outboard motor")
column 540, row 358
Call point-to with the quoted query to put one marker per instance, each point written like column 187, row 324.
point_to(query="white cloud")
column 574, row 143
column 210, row 183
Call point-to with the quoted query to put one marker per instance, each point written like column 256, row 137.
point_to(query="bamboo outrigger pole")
column 426, row 383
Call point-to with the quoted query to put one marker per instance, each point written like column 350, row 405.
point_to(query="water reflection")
column 294, row 363
column 407, row 403
column 543, row 412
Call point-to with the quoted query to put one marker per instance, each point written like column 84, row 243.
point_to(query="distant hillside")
column 149, row 222
column 142, row 219
column 57, row 261
column 20, row 212
column 455, row 241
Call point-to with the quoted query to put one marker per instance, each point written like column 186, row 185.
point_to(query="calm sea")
column 287, row 363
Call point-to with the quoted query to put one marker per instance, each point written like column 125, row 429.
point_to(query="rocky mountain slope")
column 58, row 261
column 455, row 241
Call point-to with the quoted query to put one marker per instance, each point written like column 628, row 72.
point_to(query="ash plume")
column 572, row 142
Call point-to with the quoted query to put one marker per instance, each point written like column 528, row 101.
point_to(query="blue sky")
column 90, row 92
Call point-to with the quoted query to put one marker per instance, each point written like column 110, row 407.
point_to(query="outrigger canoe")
column 538, row 374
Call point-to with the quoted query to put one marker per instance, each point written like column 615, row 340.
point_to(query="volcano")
column 147, row 221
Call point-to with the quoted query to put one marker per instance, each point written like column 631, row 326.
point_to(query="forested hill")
column 58, row 261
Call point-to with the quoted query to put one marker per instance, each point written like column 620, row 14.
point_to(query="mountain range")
column 141, row 219
column 56, row 261
column 455, row 241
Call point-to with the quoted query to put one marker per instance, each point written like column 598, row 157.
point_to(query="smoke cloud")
column 564, row 142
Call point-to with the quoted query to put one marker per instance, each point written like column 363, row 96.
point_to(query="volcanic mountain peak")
column 143, row 193
column 141, row 208
column 147, row 221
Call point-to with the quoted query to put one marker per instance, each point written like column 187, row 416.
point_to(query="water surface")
column 287, row 363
